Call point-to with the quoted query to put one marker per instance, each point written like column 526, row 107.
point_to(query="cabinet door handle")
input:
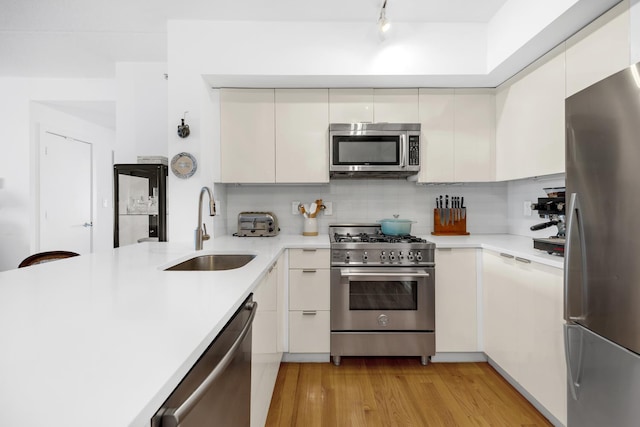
column 506, row 255
column 309, row 271
column 309, row 312
column 526, row 261
column 309, row 250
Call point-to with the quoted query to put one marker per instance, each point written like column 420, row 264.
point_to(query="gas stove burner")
column 376, row 238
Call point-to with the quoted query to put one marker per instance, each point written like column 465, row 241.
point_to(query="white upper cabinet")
column 269, row 136
column 530, row 120
column 474, row 132
column 599, row 50
column 437, row 152
column 247, row 135
column 302, row 124
column 395, row 106
column 351, row 105
column 458, row 135
column 373, row 105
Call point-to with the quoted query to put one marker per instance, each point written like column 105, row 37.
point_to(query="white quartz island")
column 103, row 339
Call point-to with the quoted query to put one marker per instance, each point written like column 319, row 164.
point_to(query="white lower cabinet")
column 309, row 321
column 266, row 353
column 523, row 326
column 456, row 300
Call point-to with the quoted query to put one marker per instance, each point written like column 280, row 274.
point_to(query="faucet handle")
column 205, row 236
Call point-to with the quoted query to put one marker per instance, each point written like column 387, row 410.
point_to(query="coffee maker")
column 552, row 208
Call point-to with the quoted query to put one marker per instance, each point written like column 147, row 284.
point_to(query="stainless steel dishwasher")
column 217, row 390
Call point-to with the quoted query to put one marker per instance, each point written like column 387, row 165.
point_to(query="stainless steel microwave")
column 374, row 150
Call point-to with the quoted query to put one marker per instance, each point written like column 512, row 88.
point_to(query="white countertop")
column 102, row 339
column 519, row 246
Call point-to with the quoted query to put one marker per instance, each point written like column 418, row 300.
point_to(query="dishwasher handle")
column 172, row 417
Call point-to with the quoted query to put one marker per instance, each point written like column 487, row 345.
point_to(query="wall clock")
column 184, row 165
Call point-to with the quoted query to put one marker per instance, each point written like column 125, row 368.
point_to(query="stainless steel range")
column 382, row 293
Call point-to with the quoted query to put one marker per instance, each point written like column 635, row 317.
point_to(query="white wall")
column 517, row 22
column 326, row 48
column 141, row 114
column 16, row 146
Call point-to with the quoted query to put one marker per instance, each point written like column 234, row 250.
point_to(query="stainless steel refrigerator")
column 602, row 254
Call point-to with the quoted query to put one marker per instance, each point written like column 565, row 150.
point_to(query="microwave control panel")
column 414, row 150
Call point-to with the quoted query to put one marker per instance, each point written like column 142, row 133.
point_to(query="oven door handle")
column 344, row 272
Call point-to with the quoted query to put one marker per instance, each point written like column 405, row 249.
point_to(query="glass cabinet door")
column 140, row 206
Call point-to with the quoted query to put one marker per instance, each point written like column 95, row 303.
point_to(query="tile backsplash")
column 495, row 207
column 370, row 200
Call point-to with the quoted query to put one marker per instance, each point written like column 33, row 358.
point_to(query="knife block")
column 457, row 228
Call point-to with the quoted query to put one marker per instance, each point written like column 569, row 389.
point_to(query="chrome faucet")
column 201, row 231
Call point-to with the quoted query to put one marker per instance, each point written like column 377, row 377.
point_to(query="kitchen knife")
column 441, row 213
column 452, row 213
column 464, row 210
column 455, row 208
column 446, row 205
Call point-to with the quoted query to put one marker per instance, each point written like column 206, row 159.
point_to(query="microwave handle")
column 403, row 150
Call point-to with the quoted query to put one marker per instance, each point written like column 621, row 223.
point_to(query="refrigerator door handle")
column 574, row 383
column 575, row 216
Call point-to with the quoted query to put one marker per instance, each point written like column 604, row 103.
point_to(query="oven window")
column 366, row 150
column 389, row 295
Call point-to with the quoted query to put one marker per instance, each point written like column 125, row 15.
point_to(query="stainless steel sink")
column 213, row 262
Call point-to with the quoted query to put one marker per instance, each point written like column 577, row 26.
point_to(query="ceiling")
column 85, row 38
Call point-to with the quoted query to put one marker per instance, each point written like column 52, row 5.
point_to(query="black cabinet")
column 140, row 203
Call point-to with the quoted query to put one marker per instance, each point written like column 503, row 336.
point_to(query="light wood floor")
column 397, row 392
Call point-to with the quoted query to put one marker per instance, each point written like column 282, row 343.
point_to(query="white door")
column 65, row 194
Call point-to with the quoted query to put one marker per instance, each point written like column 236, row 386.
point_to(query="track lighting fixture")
column 383, row 23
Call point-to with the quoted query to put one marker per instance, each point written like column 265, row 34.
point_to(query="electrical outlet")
column 526, row 208
column 328, row 208
column 294, row 208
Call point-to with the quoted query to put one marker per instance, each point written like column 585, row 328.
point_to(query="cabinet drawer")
column 308, row 258
column 309, row 289
column 309, row 332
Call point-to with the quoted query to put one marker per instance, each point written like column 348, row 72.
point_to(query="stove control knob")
column 400, row 256
column 419, row 256
column 383, row 320
column 392, row 256
column 365, row 257
column 383, row 256
column 410, row 256
column 347, row 257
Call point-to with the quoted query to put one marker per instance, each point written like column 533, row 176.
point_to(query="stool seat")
column 48, row 256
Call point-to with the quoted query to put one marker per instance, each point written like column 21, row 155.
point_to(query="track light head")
column 383, row 23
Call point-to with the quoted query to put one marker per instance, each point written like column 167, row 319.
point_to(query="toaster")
column 257, row 224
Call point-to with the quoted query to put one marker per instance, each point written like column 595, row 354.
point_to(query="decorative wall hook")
column 183, row 129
